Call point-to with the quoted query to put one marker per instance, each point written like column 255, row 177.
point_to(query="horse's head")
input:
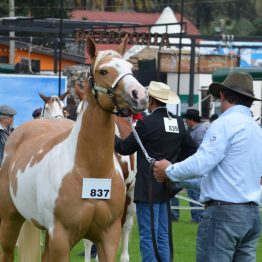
column 54, row 106
column 113, row 82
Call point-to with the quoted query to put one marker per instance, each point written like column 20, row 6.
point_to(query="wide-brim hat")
column 192, row 113
column 163, row 93
column 239, row 82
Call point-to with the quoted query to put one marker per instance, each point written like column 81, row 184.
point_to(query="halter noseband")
column 109, row 91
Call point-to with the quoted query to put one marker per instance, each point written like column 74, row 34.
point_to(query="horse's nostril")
column 135, row 94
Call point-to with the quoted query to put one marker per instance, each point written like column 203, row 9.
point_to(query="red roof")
column 126, row 17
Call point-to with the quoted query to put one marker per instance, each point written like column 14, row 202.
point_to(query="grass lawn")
column 184, row 241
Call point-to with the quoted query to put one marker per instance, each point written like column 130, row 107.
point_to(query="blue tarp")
column 21, row 93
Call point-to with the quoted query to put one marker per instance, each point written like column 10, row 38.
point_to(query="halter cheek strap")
column 110, row 91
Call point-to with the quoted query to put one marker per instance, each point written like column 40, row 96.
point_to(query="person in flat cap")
column 230, row 156
column 163, row 135
column 37, row 113
column 197, row 131
column 6, row 126
column 213, row 118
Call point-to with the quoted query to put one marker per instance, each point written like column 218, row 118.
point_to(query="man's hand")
column 159, row 170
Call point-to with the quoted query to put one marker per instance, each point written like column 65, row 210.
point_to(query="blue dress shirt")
column 230, row 158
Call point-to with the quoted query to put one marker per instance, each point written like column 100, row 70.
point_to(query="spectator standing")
column 197, row 131
column 37, row 113
column 230, row 155
column 6, row 126
column 163, row 136
column 70, row 109
column 213, row 118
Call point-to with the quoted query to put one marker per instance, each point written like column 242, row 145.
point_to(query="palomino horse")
column 53, row 107
column 128, row 167
column 62, row 176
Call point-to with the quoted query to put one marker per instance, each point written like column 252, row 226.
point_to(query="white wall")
column 256, row 107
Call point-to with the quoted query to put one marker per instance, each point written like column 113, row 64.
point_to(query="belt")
column 224, row 203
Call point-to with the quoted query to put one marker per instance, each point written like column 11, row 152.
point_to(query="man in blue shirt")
column 230, row 156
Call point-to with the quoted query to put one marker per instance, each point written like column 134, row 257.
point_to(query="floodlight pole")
column 12, row 34
column 180, row 47
column 60, row 47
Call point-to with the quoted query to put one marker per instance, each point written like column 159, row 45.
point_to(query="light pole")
column 12, row 34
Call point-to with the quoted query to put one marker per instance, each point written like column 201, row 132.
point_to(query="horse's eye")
column 102, row 72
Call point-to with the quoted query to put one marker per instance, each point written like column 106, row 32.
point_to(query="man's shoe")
column 93, row 251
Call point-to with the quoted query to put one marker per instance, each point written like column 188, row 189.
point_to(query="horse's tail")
column 29, row 249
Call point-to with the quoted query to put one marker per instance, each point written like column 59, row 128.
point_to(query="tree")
column 39, row 8
column 4, row 8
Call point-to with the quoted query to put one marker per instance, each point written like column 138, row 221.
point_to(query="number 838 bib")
column 171, row 125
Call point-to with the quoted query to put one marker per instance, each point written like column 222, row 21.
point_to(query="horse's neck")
column 95, row 142
column 123, row 126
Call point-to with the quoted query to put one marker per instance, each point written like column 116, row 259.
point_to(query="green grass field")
column 184, row 240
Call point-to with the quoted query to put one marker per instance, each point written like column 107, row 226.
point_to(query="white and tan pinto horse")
column 128, row 167
column 46, row 161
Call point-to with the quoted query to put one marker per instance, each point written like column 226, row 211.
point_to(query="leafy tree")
column 4, row 8
column 39, row 8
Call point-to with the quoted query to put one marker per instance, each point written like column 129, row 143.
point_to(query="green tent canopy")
column 219, row 75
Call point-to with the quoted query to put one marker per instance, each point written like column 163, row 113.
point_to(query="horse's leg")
column 9, row 231
column 46, row 250
column 29, row 249
column 107, row 247
column 59, row 245
column 88, row 245
column 125, row 237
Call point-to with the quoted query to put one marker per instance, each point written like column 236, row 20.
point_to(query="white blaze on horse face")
column 53, row 109
column 134, row 93
column 43, row 180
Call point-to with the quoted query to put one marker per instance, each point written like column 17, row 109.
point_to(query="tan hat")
column 163, row 93
column 239, row 82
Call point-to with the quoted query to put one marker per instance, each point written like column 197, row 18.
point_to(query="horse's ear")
column 79, row 92
column 62, row 97
column 90, row 47
column 45, row 98
column 121, row 49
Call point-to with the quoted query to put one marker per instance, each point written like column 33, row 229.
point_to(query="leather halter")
column 108, row 91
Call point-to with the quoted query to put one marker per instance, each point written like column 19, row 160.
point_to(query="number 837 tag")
column 96, row 188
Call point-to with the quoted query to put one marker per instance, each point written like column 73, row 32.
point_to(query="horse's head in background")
column 113, row 84
column 54, row 106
